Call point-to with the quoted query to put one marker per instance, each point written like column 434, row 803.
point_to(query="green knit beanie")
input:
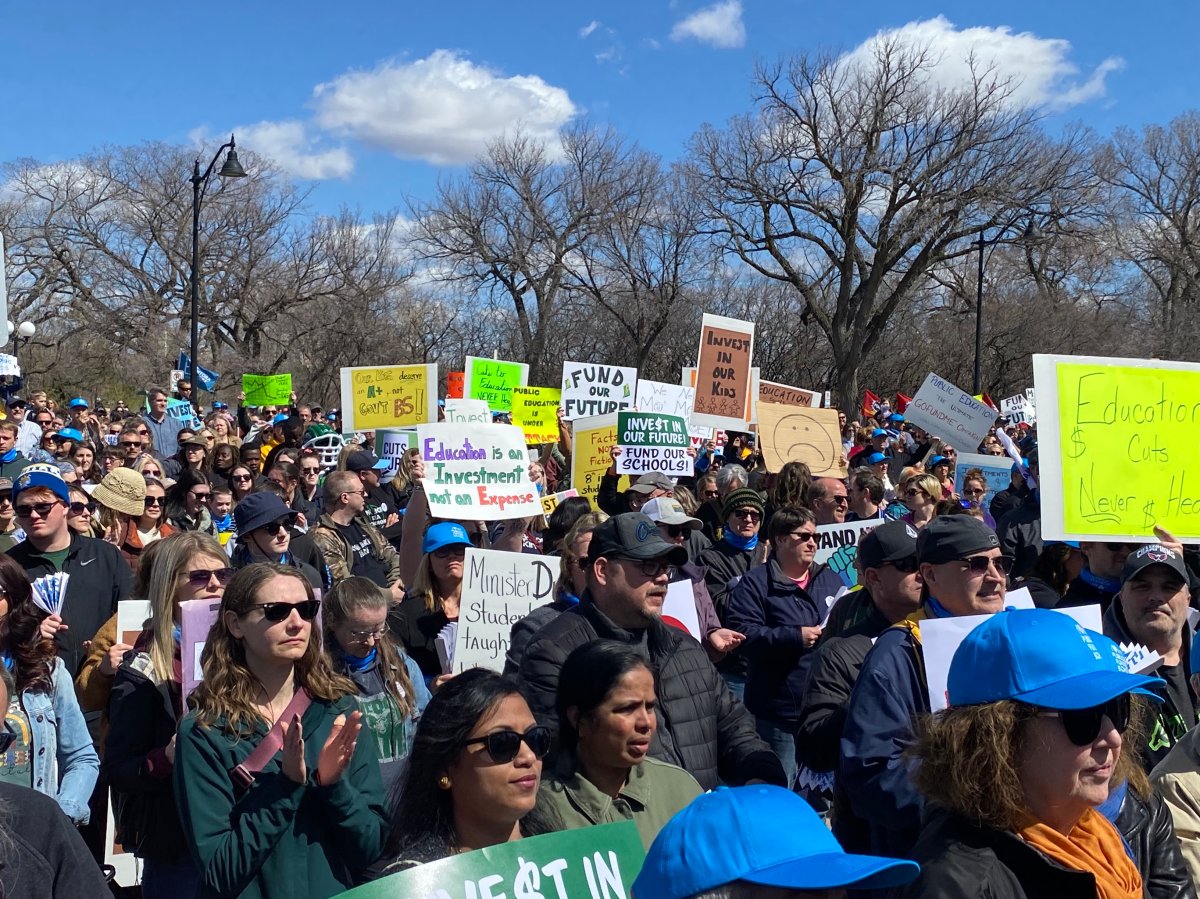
column 740, row 499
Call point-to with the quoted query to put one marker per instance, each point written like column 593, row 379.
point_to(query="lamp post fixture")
column 1029, row 235
column 231, row 168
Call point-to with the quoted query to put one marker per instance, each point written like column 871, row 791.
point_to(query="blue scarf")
column 9, row 456
column 177, row 633
column 1105, row 584
column 7, row 660
column 569, row 598
column 745, row 543
column 355, row 663
column 938, row 610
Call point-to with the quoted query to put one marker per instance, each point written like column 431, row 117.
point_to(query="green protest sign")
column 267, row 390
column 650, row 441
column 586, row 863
column 492, row 381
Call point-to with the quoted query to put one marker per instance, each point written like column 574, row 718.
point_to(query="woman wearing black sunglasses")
column 473, row 774
column 1021, row 769
column 305, row 815
column 144, row 710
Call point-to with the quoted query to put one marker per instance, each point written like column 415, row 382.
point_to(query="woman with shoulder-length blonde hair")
column 277, row 795
column 921, row 494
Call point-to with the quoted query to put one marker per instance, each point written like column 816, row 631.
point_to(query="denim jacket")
column 65, row 764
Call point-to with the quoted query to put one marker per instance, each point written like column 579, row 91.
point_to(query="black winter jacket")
column 726, row 566
column 701, row 725
column 1148, row 830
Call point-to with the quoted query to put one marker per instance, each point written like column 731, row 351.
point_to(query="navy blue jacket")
column 889, row 696
column 768, row 607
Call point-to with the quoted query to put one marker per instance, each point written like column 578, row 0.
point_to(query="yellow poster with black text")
column 388, row 396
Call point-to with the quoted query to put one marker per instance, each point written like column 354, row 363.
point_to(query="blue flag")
column 205, row 378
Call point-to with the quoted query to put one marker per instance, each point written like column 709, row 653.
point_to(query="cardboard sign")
column 388, row 396
column 498, row 589
column 651, row 442
column 598, row 862
column 706, row 431
column 197, row 616
column 267, row 390
column 550, row 501
column 132, row 615
column 455, row 385
column 723, row 380
column 837, row 547
column 477, row 472
column 391, row 445
column 492, row 381
column 950, row 413
column 679, row 608
column 997, row 472
column 535, row 411
column 467, row 412
column 1117, row 440
column 590, row 389
column 798, row 433
column 770, row 392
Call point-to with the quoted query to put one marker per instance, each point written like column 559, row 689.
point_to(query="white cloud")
column 587, row 29
column 289, row 145
column 442, row 109
column 1041, row 71
column 720, row 25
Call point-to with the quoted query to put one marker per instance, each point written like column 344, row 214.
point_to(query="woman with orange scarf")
column 1040, row 729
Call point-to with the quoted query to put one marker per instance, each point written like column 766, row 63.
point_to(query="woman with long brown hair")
column 51, row 750
column 303, row 815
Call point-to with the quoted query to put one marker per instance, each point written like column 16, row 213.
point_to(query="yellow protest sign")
column 1116, row 440
column 388, row 396
column 535, row 411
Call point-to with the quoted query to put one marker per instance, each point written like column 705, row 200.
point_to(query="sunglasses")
column 81, row 508
column 503, row 745
column 242, row 477
column 154, row 501
column 310, row 470
column 200, row 496
column 274, row 527
column 912, row 491
column 675, row 530
column 131, row 444
column 980, row 564
column 748, row 514
column 840, row 500
column 968, row 491
column 905, row 566
column 446, row 552
column 151, row 473
column 711, row 494
column 279, row 611
column 201, row 577
column 42, row 509
column 1083, row 725
column 804, row 536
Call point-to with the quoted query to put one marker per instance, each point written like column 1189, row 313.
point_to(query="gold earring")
column 444, row 782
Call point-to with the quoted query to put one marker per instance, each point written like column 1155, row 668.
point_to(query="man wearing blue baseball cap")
column 963, row 573
column 757, row 842
column 350, row 545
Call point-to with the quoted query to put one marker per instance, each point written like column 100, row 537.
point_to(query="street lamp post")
column 1030, row 234
column 231, row 168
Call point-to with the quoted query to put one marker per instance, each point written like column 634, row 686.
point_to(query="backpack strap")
column 243, row 774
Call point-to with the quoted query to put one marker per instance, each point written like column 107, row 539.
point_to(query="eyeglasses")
column 981, row 564
column 711, row 494
column 275, row 527
column 42, row 509
column 151, row 473
column 279, row 611
column 8, row 736
column 905, row 566
column 201, row 577
column 154, row 501
column 802, row 536
column 748, row 514
column 199, row 496
column 82, row 508
column 652, row 568
column 840, row 500
column 242, row 477
column 973, row 491
column 315, row 470
column 445, row 552
column 131, row 444
column 913, row 491
column 503, row 745
column 674, row 530
column 1083, row 725
column 144, row 432
column 373, row 634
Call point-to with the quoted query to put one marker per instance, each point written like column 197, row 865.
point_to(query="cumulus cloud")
column 1041, row 71
column 720, row 26
column 442, row 109
column 587, row 29
column 290, row 146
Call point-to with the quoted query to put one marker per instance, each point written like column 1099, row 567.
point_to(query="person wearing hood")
column 264, row 527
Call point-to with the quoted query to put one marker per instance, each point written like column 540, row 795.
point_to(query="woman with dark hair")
column 391, row 691
column 52, row 751
column 241, row 482
column 559, row 522
column 790, row 488
column 473, row 774
column 84, row 458
column 80, row 518
column 222, row 459
column 187, row 503
column 606, row 722
column 305, row 815
column 1058, row 564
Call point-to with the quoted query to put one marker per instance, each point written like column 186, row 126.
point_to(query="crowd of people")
column 788, row 748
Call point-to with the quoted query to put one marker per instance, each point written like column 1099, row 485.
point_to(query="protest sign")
column 594, row 439
column 1018, row 410
column 679, row 608
column 801, row 434
column 477, row 472
column 706, row 431
column 390, row 445
column 267, row 390
column 197, row 617
column 132, row 615
column 498, row 589
column 599, row 862
column 550, row 501
column 467, row 411
column 950, row 413
column 652, row 442
column 771, row 392
column 388, row 396
column 182, row 410
column 535, row 411
column 723, row 378
column 173, row 379
column 669, row 399
column 590, row 389
column 997, row 472
column 492, row 381
column 455, row 385
column 9, row 366
column 837, row 547
column 1117, row 437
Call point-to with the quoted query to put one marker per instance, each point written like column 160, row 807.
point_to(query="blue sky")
column 371, row 102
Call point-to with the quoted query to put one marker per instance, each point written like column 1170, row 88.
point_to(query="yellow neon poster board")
column 388, row 396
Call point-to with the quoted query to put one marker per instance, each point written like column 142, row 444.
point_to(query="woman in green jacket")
column 311, row 818
column 606, row 710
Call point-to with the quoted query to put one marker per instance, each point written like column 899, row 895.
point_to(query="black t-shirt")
column 365, row 564
column 378, row 507
column 1179, row 697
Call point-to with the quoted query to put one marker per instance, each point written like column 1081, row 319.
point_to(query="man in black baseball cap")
column 381, row 512
column 701, row 727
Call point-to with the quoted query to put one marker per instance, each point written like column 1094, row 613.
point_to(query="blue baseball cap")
column 937, row 460
column 70, row 434
column 41, row 474
column 77, row 403
column 876, row 458
column 761, row 834
column 219, row 405
column 1043, row 658
column 279, row 419
column 896, row 416
column 879, row 432
column 445, row 533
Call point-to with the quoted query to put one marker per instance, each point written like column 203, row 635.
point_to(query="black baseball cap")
column 889, row 542
column 951, row 537
column 632, row 535
column 1153, row 554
